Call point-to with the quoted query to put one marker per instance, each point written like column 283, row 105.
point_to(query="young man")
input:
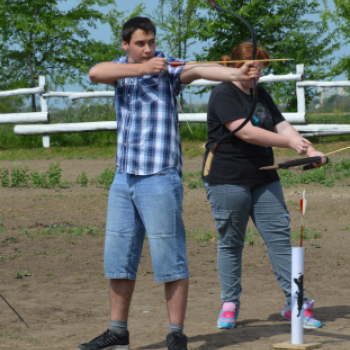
column 146, row 195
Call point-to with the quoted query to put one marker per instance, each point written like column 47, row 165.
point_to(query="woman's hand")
column 311, row 152
column 250, row 70
column 300, row 145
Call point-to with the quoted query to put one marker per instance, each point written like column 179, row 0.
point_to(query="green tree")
column 176, row 20
column 341, row 18
column 11, row 104
column 177, row 24
column 116, row 20
column 281, row 26
column 37, row 38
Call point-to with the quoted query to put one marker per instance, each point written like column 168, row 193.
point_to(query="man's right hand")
column 155, row 66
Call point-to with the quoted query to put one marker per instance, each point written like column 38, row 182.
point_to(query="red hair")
column 225, row 58
column 244, row 52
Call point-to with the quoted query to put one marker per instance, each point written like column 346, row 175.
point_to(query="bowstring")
column 181, row 110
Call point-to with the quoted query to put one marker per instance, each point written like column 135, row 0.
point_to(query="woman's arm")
column 217, row 72
column 262, row 137
column 284, row 128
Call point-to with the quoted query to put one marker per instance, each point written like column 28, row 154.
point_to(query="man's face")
column 141, row 47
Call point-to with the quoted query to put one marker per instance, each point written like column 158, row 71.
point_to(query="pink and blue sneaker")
column 309, row 320
column 228, row 316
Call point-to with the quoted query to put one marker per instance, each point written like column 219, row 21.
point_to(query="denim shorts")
column 149, row 204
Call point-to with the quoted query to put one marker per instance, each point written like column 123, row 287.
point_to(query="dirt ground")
column 63, row 294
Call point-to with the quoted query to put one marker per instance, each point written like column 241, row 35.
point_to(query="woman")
column 237, row 189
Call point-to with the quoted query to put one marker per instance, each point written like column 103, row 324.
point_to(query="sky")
column 100, row 34
column 103, row 33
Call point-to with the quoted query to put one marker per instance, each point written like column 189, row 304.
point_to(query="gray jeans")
column 231, row 206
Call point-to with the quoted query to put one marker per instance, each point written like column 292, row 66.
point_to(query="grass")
column 327, row 175
column 83, row 152
column 82, row 179
column 250, row 236
column 8, row 240
column 308, row 233
column 19, row 275
column 200, row 235
column 61, row 230
column 106, row 178
column 9, row 335
column 189, row 149
column 329, row 118
column 194, row 180
column 20, row 177
column 97, row 144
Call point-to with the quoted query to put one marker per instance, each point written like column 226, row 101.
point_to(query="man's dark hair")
column 135, row 23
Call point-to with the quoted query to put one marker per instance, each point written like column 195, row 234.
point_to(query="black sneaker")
column 107, row 340
column 176, row 341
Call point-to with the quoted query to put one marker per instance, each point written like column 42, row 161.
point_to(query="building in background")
column 326, row 92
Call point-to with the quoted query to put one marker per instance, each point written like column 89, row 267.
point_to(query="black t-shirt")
column 236, row 161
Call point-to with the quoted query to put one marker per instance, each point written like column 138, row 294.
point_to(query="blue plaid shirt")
column 147, row 121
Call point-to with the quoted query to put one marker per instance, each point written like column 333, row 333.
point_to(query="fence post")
column 300, row 91
column 43, row 103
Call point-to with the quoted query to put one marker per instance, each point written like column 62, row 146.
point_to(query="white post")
column 43, row 102
column 300, row 91
column 297, row 287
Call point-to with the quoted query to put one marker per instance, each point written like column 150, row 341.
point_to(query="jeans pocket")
column 221, row 220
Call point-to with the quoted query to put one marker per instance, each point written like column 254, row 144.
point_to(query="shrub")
column 82, row 179
column 106, row 178
column 19, row 176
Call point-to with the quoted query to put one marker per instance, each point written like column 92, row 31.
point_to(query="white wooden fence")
column 31, row 117
column 298, row 119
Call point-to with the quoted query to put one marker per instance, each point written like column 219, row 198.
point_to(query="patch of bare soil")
column 51, row 270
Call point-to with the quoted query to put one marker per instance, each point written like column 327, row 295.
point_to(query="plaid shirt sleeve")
column 174, row 75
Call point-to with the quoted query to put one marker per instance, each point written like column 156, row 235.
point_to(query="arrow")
column 179, row 63
column 13, row 310
column 302, row 210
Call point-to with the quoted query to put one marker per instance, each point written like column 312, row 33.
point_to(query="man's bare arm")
column 110, row 72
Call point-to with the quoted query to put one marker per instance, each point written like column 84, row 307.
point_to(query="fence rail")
column 29, row 117
column 344, row 83
column 298, row 119
column 271, row 78
column 27, row 91
column 15, row 118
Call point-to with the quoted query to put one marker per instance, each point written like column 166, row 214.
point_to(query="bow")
column 216, row 144
column 296, row 162
column 302, row 161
